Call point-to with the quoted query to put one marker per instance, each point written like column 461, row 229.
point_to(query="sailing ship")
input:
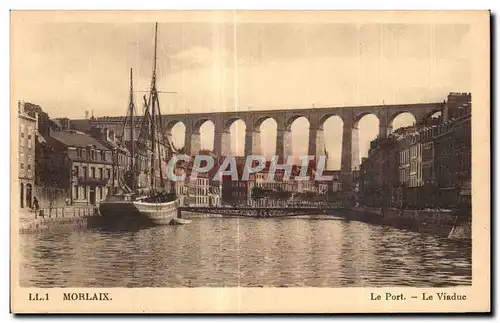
column 156, row 203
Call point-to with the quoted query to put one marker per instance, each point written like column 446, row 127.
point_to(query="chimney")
column 105, row 134
column 98, row 133
column 65, row 124
column 86, row 114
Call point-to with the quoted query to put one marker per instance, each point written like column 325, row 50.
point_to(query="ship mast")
column 154, row 126
column 154, row 106
column 131, row 111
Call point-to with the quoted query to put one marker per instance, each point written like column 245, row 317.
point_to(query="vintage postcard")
column 250, row 161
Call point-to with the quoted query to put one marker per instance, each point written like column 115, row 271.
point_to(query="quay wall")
column 50, row 195
column 444, row 222
column 58, row 217
column 391, row 215
column 187, row 214
column 436, row 217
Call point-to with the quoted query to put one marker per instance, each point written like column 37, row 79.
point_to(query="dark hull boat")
column 158, row 207
column 124, row 209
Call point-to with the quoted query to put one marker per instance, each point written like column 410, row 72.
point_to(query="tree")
column 258, row 193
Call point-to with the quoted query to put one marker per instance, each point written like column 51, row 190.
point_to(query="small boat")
column 159, row 206
column 178, row 221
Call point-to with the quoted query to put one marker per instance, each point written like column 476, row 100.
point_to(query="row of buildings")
column 69, row 163
column 427, row 165
column 61, row 165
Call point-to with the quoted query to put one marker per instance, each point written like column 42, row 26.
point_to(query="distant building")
column 181, row 186
column 198, row 191
column 215, row 193
column 237, row 191
column 335, row 185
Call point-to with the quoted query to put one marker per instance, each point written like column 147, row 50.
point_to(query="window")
column 109, row 173
column 85, row 174
column 100, row 192
column 103, row 155
column 22, row 165
column 77, row 171
column 92, row 154
column 29, row 166
column 101, row 173
column 22, row 134
column 84, row 192
column 75, row 192
column 92, row 170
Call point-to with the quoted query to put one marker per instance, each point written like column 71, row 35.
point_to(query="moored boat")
column 158, row 206
column 160, row 213
column 123, row 208
column 178, row 221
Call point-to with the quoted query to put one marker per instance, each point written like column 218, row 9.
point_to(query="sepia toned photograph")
column 235, row 153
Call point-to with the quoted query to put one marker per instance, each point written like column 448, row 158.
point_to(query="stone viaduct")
column 284, row 118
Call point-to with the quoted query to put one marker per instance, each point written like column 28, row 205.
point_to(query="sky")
column 69, row 68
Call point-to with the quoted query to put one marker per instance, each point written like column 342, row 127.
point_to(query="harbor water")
column 247, row 252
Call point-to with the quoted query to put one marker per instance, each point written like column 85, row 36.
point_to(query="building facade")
column 198, row 191
column 235, row 192
column 380, row 173
column 27, row 149
column 120, row 156
column 83, row 166
column 453, row 153
column 433, row 162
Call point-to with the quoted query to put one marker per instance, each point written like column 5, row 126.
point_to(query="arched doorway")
column 22, row 194
column 28, row 195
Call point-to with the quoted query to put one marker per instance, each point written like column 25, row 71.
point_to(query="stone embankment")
column 435, row 220
column 49, row 218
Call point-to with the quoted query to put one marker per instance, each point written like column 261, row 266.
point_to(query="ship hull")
column 137, row 213
column 157, row 213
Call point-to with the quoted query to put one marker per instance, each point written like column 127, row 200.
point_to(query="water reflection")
column 245, row 252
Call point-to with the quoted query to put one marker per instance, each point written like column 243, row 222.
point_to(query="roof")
column 73, row 138
column 116, row 145
column 82, row 125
